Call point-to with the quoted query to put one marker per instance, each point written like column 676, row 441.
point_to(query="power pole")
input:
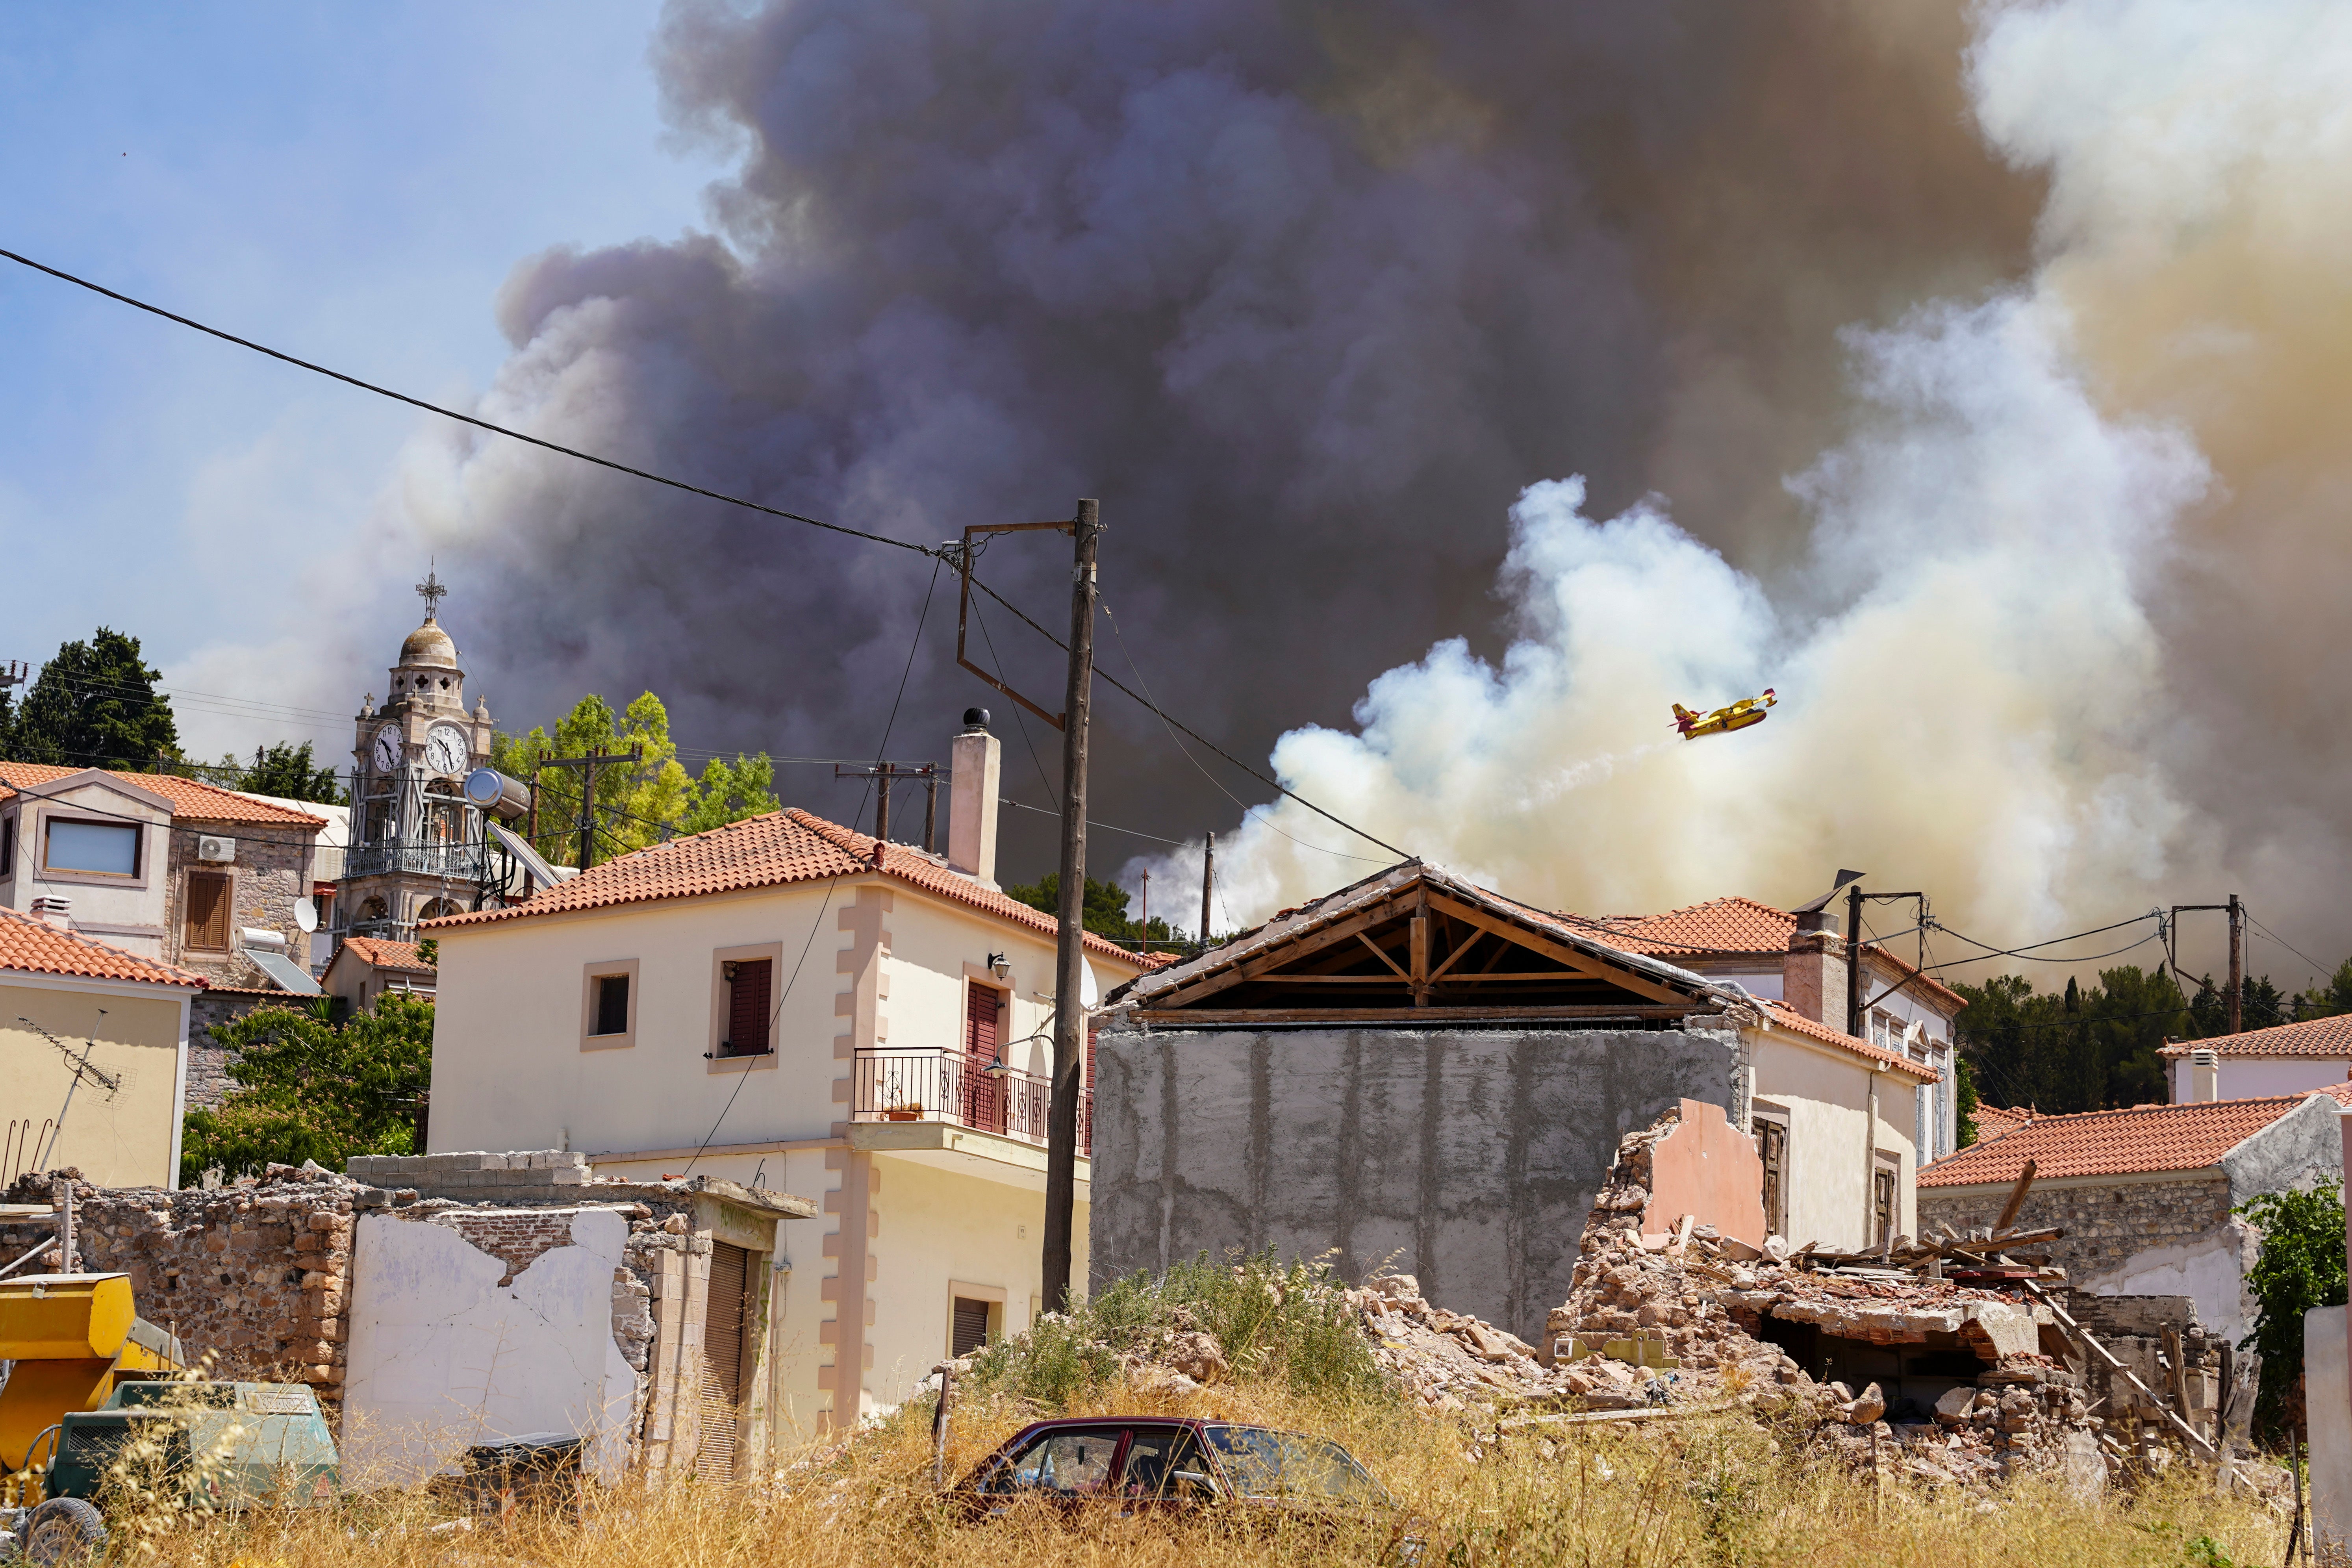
column 1208, row 880
column 588, row 765
column 885, row 775
column 2237, row 965
column 1070, row 954
column 1147, row 913
column 1853, row 961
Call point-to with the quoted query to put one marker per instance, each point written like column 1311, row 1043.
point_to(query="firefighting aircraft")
column 1723, row 720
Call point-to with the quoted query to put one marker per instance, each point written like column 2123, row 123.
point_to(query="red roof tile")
column 771, row 851
column 387, row 955
column 191, row 799
column 1992, row 1121
column 2327, row 1038
column 34, row 946
column 1727, row 928
column 1788, row 1017
column 2143, row 1140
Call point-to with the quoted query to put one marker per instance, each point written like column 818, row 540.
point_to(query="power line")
column 1112, row 828
column 2027, row 951
column 936, row 552
column 2284, row 943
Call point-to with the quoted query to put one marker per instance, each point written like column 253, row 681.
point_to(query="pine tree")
column 95, row 706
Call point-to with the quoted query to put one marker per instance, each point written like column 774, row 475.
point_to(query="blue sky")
column 350, row 184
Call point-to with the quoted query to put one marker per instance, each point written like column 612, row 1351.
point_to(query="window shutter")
column 207, row 920
column 982, row 1095
column 971, row 1332
column 747, row 1008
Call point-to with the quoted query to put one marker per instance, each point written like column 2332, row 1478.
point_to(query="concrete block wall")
column 534, row 1175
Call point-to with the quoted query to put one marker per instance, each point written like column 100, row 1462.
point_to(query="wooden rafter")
column 1560, row 951
column 1631, row 1011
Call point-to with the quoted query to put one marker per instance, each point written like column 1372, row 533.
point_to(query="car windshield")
column 1066, row 1461
column 1264, row 1464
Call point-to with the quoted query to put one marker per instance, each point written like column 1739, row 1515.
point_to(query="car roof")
column 1054, row 1423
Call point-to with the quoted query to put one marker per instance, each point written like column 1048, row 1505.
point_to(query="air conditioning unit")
column 218, row 850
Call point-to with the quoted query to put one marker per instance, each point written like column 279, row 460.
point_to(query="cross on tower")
column 431, row 591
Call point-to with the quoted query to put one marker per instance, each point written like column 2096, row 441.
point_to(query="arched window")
column 434, row 909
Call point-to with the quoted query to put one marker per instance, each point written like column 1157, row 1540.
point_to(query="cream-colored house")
column 93, row 1057
column 781, row 1004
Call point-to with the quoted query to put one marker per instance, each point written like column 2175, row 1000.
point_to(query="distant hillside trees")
column 93, row 706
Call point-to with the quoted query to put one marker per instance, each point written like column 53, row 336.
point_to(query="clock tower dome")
column 417, row 844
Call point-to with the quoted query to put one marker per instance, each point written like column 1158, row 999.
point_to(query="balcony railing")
column 461, row 862
column 915, row 1085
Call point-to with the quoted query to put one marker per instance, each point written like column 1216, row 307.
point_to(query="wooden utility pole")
column 1853, row 964
column 2237, row 965
column 885, row 775
column 587, row 767
column 1207, row 882
column 1070, row 954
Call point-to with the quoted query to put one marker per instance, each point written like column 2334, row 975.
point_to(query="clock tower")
column 416, row 842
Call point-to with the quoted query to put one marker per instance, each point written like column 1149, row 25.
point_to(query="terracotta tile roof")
column 1992, row 1121
column 1789, row 1018
column 1726, row 927
column 37, row 947
column 387, row 955
column 191, row 799
column 2328, row 1039
column 771, row 851
column 2143, row 1140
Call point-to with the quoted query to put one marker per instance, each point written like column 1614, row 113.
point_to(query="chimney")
column 2204, row 1075
column 974, row 760
column 52, row 909
column 1812, row 977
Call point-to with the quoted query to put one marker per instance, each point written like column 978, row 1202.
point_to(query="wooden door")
column 981, row 1097
column 722, row 1361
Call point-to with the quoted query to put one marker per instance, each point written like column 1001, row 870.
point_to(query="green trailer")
column 223, row 1444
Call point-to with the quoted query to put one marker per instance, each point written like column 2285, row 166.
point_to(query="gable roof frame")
column 1400, row 946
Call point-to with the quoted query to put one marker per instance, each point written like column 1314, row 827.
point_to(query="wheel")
column 63, row 1529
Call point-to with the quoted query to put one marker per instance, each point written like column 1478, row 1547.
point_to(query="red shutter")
column 982, row 1097
column 1087, row 1094
column 747, row 1010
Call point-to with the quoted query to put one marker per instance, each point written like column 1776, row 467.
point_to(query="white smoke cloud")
column 2043, row 645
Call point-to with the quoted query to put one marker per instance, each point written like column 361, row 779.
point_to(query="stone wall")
column 2108, row 1226
column 1468, row 1157
column 211, row 1077
column 253, row 1275
column 269, row 876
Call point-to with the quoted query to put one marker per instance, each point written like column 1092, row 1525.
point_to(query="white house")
column 2287, row 1059
column 784, row 1004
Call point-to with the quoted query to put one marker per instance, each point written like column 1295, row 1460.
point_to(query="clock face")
column 446, row 751
column 386, row 750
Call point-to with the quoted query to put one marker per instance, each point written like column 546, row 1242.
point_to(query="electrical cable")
column 1990, row 952
column 2274, row 936
column 1109, row 827
column 1121, row 637
column 1017, row 719
column 936, row 552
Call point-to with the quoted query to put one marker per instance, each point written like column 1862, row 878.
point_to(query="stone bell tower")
column 416, row 842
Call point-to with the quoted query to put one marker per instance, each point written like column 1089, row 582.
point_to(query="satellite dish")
column 305, row 914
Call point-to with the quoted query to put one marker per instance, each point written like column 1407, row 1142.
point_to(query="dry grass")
column 1720, row 1491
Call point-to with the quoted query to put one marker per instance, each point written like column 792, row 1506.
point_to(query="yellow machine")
column 1723, row 720
column 73, row 1337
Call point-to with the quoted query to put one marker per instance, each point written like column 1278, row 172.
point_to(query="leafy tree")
column 2077, row 1049
column 727, row 793
column 2301, row 1266
column 639, row 803
column 2329, row 1000
column 2260, row 1006
column 95, row 705
column 1104, row 911
column 314, row 1090
column 288, row 773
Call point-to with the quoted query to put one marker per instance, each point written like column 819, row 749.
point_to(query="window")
column 1772, row 1144
column 970, row 1331
column 8, row 844
column 96, row 849
column 612, row 1005
column 608, row 1005
column 206, row 926
column 1070, row 1462
column 1162, row 1461
column 747, row 1008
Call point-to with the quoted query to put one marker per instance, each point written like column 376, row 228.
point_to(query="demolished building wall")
column 1468, row 1157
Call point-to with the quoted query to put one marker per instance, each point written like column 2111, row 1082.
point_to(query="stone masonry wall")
column 255, row 1275
column 2105, row 1225
column 269, row 876
column 211, row 1079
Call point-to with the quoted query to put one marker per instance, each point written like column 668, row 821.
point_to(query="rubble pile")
column 1448, row 1360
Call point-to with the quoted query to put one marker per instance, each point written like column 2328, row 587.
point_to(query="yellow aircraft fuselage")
column 1738, row 715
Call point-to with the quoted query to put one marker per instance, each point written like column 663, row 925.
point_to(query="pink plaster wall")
column 1708, row 1169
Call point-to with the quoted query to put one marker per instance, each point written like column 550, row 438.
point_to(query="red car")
column 1149, row 1463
